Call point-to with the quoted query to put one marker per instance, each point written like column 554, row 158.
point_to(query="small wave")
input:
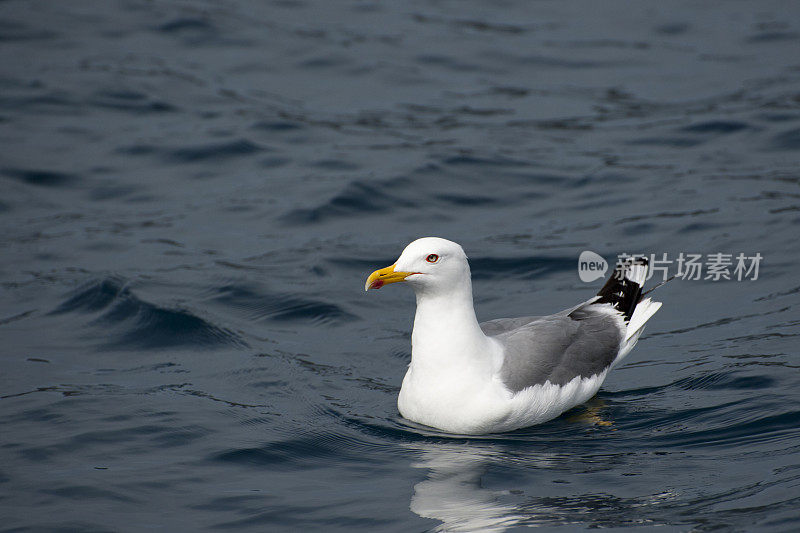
column 130, row 322
column 746, row 417
column 357, row 198
column 671, row 142
column 41, row 178
column 129, row 101
column 331, row 60
column 667, row 214
column 695, row 134
column 181, row 25
column 703, row 381
column 137, row 149
column 334, row 165
column 156, row 435
column 93, row 297
column 718, row 127
column 471, row 24
column 464, row 200
column 774, row 295
column 723, row 381
column 86, row 493
column 309, row 447
column 111, row 192
column 788, row 140
column 772, row 36
column 280, row 307
column 50, row 102
column 287, row 454
column 737, row 432
column 196, row 32
column 278, row 126
column 672, row 28
column 450, row 63
column 214, row 152
column 484, row 161
column 16, row 32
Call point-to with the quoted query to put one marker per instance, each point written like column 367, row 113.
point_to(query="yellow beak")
column 381, row 277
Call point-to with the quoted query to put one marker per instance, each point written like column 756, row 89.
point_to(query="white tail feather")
column 644, row 310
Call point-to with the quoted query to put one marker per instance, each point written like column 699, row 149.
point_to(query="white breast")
column 463, row 404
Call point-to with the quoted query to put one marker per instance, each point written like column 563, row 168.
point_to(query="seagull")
column 475, row 378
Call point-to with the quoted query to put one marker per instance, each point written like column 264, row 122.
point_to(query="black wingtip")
column 620, row 290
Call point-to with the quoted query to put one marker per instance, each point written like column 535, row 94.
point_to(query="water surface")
column 193, row 194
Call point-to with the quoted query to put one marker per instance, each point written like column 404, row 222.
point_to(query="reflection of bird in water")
column 508, row 373
column 452, row 492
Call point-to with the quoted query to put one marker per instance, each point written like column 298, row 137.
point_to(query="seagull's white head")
column 429, row 265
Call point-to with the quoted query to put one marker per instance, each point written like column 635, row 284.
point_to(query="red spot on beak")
column 377, row 284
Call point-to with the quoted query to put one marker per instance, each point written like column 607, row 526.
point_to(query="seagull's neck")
column 446, row 332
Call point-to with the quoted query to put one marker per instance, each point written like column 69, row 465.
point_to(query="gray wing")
column 502, row 325
column 582, row 341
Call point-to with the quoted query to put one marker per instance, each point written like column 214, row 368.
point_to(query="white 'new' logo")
column 591, row 266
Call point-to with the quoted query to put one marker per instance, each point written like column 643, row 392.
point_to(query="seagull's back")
column 557, row 348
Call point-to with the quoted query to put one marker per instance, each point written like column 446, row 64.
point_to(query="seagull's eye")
column 432, row 258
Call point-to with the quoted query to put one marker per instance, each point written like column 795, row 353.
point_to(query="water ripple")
column 129, row 101
column 788, row 140
column 259, row 305
column 214, row 152
column 128, row 321
column 357, row 198
column 42, row 178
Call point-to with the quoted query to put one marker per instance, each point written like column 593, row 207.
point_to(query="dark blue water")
column 194, row 192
